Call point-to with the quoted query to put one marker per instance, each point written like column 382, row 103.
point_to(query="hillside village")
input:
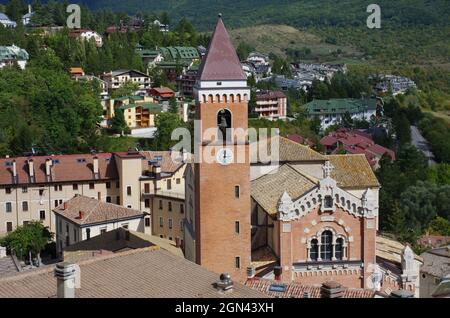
column 311, row 226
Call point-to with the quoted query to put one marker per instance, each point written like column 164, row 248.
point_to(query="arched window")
column 339, row 249
column 238, row 97
column 314, row 251
column 224, row 98
column 326, row 247
column 217, row 98
column 232, row 98
column 210, row 98
column 204, row 98
column 224, row 123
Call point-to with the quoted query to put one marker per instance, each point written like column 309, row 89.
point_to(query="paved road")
column 421, row 144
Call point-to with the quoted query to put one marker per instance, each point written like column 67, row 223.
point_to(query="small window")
column 326, row 247
column 161, row 221
column 8, row 190
column 108, row 199
column 129, row 190
column 219, row 83
column 9, row 227
column 338, row 249
column 170, row 206
column 147, row 188
column 75, row 186
column 56, row 203
column 237, row 227
column 125, row 226
column 108, row 185
column 182, row 208
column 118, row 200
column 314, row 251
column 170, row 224
column 147, row 203
column 60, row 187
column 237, row 262
column 160, row 204
column 169, row 184
column 237, row 192
column 25, row 206
column 129, row 206
column 8, row 207
column 178, row 181
column 117, row 184
column 41, row 192
column 328, row 202
column 88, row 234
column 55, row 187
column 91, row 186
column 147, row 222
column 24, row 189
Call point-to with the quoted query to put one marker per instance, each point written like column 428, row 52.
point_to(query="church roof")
column 353, row 171
column 221, row 61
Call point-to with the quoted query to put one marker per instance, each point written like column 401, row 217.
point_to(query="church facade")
column 307, row 218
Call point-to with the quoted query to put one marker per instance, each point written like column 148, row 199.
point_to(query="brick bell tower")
column 222, row 187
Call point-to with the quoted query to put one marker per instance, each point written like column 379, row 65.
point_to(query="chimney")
column 31, row 169
column 402, row 293
column 48, row 169
column 29, row 8
column 81, row 215
column 277, row 271
column 15, row 171
column 225, row 284
column 157, row 170
column 66, row 274
column 251, row 272
column 66, row 205
column 331, row 290
column 96, row 170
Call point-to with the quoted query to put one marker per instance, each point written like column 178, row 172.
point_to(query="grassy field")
column 277, row 38
column 445, row 115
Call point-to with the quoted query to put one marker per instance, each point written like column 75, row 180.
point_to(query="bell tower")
column 222, row 185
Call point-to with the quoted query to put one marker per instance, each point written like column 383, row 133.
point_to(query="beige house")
column 82, row 218
column 115, row 79
column 32, row 187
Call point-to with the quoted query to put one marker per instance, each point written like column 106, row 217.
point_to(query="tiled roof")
column 141, row 273
column 162, row 90
column 264, row 95
column 221, row 61
column 436, row 262
column 94, row 211
column 352, row 171
column 291, row 151
column 165, row 160
column 113, row 242
column 66, row 168
column 76, row 70
column 433, row 240
column 268, row 189
column 391, row 250
column 297, row 290
column 340, row 106
column 7, row 266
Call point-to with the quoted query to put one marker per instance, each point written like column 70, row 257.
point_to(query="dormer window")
column 219, row 83
column 328, row 202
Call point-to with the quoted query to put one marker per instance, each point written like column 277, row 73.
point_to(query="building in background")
column 116, row 79
column 7, row 22
column 26, row 18
column 396, row 84
column 87, row 35
column 435, row 269
column 13, row 55
column 161, row 93
column 330, row 112
column 271, row 105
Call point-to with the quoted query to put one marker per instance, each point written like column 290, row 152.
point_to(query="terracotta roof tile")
column 148, row 272
column 94, row 211
column 221, row 61
column 165, row 160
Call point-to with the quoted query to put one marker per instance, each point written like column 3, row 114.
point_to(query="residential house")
column 271, row 105
column 116, row 79
column 355, row 142
column 396, row 84
column 87, row 35
column 76, row 72
column 26, row 18
column 174, row 69
column 150, row 58
column 186, row 82
column 435, row 269
column 6, row 22
column 138, row 111
column 81, row 218
column 173, row 53
column 13, row 55
column 162, row 27
column 330, row 112
column 149, row 272
column 161, row 93
column 258, row 58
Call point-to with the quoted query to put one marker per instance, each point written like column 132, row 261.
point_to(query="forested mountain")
column 297, row 13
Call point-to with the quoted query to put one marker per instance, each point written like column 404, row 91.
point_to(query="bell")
column 223, row 122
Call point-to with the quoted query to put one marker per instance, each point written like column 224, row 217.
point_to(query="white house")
column 26, row 19
column 87, row 35
column 10, row 55
column 82, row 217
column 7, row 23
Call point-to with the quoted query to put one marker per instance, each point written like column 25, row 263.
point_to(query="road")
column 421, row 144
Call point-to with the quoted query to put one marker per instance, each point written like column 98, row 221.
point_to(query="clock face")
column 225, row 156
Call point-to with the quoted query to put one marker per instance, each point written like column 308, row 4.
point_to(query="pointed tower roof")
column 221, row 61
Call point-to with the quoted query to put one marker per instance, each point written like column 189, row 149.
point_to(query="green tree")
column 126, row 89
column 439, row 226
column 173, row 105
column 243, row 50
column 118, row 124
column 166, row 123
column 28, row 240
